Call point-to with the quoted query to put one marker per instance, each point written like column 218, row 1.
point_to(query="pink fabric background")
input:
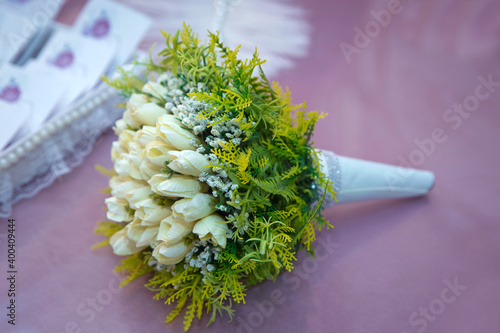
column 389, row 258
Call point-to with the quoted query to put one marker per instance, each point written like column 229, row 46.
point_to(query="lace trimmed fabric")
column 35, row 162
column 330, row 166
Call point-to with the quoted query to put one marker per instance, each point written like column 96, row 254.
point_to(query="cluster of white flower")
column 204, row 256
column 172, row 213
column 221, row 133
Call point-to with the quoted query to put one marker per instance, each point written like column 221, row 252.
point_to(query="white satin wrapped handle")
column 358, row 180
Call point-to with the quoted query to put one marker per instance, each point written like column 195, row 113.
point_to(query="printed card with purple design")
column 109, row 20
column 14, row 116
column 74, row 56
column 38, row 12
column 27, row 90
column 12, row 36
column 20, row 21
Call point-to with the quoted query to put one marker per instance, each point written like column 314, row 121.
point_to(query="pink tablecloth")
column 421, row 265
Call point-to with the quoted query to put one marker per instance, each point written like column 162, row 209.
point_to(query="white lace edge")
column 330, row 166
column 36, row 161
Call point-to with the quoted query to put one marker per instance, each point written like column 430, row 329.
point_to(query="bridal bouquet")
column 216, row 183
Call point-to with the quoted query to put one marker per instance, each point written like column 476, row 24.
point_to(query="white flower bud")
column 145, row 135
column 157, row 153
column 139, row 234
column 125, row 165
column 118, row 149
column 135, row 149
column 121, row 185
column 129, row 164
column 148, row 169
column 155, row 90
column 212, row 227
column 147, row 114
column 123, row 168
column 151, row 213
column 117, row 210
column 173, row 230
column 135, row 102
column 131, row 122
column 139, row 197
column 176, row 186
column 122, row 245
column 188, row 162
column 171, row 254
column 170, row 131
column 192, row 209
column 126, row 137
column 120, row 126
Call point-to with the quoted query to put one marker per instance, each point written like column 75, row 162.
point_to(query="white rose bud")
column 125, row 167
column 139, row 234
column 173, row 230
column 154, row 243
column 171, row 254
column 120, row 147
column 147, row 114
column 131, row 122
column 139, row 197
column 120, row 126
column 117, row 210
column 135, row 101
column 126, row 137
column 149, row 169
column 170, row 131
column 188, row 162
column 151, row 213
column 212, row 227
column 130, row 163
column 147, row 236
column 135, row 149
column 157, row 153
column 155, row 90
column 122, row 166
column 198, row 207
column 122, row 245
column 145, row 135
column 176, row 186
column 121, row 185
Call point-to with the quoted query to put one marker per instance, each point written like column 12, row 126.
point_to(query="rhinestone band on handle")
column 359, row 180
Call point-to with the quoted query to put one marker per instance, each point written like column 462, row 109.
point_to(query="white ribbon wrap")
column 358, row 180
